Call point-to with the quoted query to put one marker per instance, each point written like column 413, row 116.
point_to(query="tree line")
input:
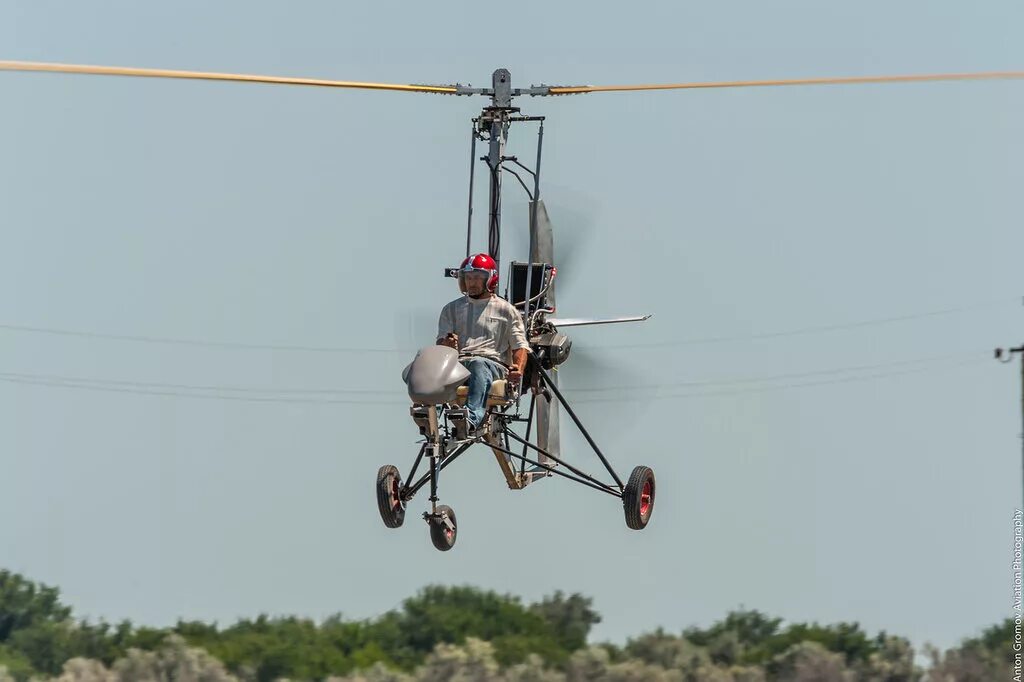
column 465, row 633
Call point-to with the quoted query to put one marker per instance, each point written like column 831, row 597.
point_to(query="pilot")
column 487, row 331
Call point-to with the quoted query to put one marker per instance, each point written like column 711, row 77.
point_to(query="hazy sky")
column 275, row 216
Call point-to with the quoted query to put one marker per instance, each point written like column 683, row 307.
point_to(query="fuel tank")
column 434, row 375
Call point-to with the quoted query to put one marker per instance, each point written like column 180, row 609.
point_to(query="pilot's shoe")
column 477, row 429
column 459, row 417
column 487, row 425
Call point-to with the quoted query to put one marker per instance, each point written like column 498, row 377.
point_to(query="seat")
column 495, row 397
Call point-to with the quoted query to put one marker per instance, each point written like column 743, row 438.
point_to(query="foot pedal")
column 459, row 417
column 420, row 415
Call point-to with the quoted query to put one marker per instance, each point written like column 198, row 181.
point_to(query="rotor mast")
column 496, row 116
column 495, row 120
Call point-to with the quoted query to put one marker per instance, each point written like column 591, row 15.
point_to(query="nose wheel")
column 443, row 527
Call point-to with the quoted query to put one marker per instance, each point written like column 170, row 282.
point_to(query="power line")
column 57, row 383
column 786, row 386
column 196, row 387
column 223, row 392
column 774, row 377
column 270, row 390
column 194, row 342
column 818, row 329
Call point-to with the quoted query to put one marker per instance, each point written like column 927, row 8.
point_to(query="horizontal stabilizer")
column 580, row 321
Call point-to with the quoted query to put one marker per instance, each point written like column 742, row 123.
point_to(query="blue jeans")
column 481, row 373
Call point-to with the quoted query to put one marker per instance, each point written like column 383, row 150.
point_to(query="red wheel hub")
column 646, row 498
column 396, row 501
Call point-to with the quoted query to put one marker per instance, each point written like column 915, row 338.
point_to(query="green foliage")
column 16, row 663
column 570, row 618
column 668, row 651
column 46, row 645
column 268, row 648
column 996, row 639
column 463, row 633
column 752, row 628
column 451, row 614
column 979, row 659
column 24, row 604
column 472, row 662
column 173, row 661
column 750, row 637
column 844, row 638
column 37, row 633
column 511, row 649
column 143, row 638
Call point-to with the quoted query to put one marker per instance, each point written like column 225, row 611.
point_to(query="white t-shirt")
column 491, row 327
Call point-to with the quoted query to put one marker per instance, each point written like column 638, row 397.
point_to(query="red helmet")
column 479, row 262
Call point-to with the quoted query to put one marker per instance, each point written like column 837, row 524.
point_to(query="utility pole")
column 1006, row 355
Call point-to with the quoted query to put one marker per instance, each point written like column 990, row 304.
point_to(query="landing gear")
column 389, row 501
column 638, row 498
column 444, row 441
column 443, row 527
column 393, row 494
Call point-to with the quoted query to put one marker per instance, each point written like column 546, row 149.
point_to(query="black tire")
column 389, row 504
column 638, row 498
column 443, row 537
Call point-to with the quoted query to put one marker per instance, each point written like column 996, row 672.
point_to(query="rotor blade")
column 543, row 243
column 581, row 321
column 548, row 433
column 575, row 220
column 985, row 75
column 202, row 75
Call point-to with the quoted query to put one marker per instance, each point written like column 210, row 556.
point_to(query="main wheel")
column 389, row 502
column 638, row 498
column 441, row 535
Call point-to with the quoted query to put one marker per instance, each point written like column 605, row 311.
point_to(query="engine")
column 552, row 348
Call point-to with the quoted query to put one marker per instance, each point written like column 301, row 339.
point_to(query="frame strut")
column 412, row 489
column 472, row 167
column 415, row 465
column 604, row 486
column 550, row 384
column 612, row 492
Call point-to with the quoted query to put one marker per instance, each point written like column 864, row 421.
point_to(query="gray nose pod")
column 434, row 375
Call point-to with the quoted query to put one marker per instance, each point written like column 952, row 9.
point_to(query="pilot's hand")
column 515, row 375
column 451, row 340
